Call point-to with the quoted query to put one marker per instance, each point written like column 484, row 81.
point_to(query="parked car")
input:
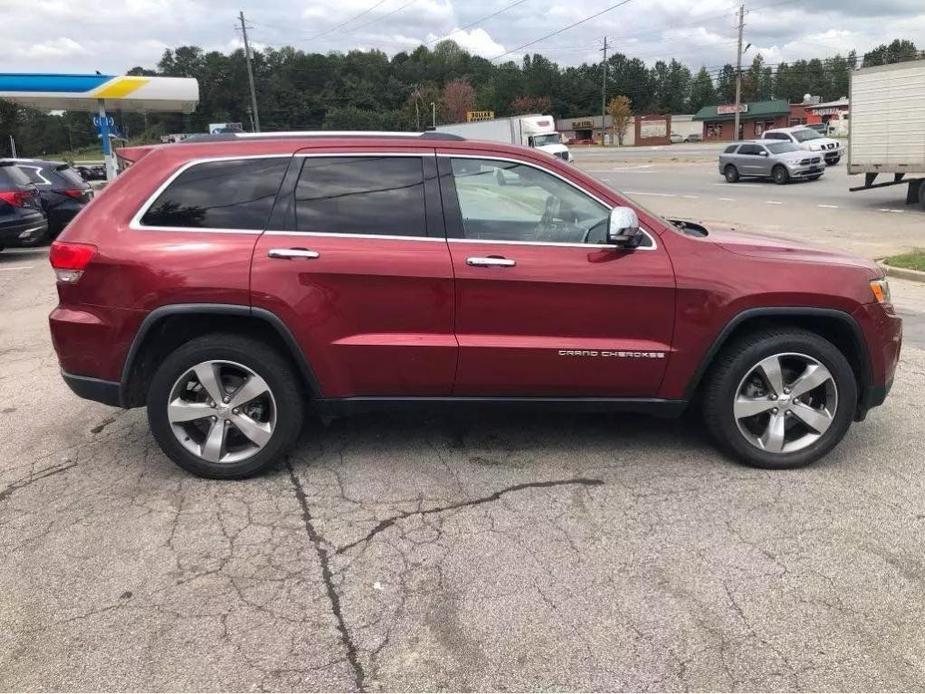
column 62, row 191
column 694, row 137
column 676, row 138
column 780, row 161
column 821, row 128
column 808, row 139
column 21, row 217
column 91, row 172
column 221, row 283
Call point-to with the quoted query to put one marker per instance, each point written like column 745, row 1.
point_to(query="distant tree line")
column 368, row 90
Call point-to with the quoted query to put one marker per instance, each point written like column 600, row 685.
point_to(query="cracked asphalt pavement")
column 467, row 552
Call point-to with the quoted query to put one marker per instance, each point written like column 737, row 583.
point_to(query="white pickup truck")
column 535, row 130
column 887, row 127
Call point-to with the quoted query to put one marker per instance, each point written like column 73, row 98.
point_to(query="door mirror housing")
column 763, row 153
column 624, row 229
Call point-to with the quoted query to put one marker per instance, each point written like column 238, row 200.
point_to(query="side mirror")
column 764, row 154
column 624, row 228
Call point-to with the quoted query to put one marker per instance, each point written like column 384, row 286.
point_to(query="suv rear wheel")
column 225, row 406
column 780, row 398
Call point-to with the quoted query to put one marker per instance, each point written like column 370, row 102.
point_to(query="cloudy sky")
column 113, row 35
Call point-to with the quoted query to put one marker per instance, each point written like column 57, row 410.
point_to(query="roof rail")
column 227, row 137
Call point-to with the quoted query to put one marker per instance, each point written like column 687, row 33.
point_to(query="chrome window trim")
column 136, row 224
column 649, row 235
column 342, row 235
column 38, row 172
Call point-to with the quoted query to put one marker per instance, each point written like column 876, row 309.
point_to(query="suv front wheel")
column 225, row 406
column 780, row 398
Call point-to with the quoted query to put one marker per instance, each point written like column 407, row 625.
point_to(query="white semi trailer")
column 535, row 130
column 887, row 127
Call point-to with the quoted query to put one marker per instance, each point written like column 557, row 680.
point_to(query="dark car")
column 221, row 283
column 62, row 190
column 21, row 217
column 91, row 172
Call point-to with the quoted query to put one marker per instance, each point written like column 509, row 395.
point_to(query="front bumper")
column 806, row 171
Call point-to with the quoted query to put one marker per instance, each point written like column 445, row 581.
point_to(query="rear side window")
column 70, row 177
column 751, row 149
column 12, row 177
column 233, row 194
column 361, row 195
column 34, row 173
column 730, row 149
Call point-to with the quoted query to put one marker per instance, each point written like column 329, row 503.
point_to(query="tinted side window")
column 13, row 177
column 69, row 177
column 34, row 174
column 750, row 149
column 361, row 195
column 730, row 149
column 235, row 194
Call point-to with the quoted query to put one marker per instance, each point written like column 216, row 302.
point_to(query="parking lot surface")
column 465, row 551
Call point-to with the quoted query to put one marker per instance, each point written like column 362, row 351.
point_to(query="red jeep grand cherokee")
column 222, row 283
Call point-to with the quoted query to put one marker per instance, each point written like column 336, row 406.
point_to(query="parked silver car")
column 780, row 161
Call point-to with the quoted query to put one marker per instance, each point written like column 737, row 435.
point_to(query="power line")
column 345, row 23
column 382, row 18
column 477, row 21
column 563, row 29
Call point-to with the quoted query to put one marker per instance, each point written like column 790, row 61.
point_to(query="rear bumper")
column 106, row 392
column 23, row 229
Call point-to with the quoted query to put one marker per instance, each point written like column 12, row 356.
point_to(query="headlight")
column 881, row 291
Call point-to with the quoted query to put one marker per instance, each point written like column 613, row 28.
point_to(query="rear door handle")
column 491, row 261
column 289, row 253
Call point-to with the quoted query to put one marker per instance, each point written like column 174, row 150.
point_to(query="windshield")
column 806, row 134
column 781, row 147
column 543, row 140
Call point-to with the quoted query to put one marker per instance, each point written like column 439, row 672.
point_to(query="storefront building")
column 755, row 117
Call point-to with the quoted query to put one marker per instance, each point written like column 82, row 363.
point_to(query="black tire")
column 780, row 175
column 733, row 364
column 922, row 195
column 731, row 173
column 266, row 362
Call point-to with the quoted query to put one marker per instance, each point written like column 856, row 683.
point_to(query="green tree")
column 703, row 93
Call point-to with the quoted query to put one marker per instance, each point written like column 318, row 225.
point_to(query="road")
column 467, row 552
column 684, row 180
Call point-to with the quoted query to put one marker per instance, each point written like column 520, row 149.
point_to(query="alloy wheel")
column 222, row 411
column 785, row 403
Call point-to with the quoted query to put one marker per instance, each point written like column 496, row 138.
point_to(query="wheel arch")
column 167, row 327
column 837, row 326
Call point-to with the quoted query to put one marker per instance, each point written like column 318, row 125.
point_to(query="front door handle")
column 491, row 261
column 289, row 253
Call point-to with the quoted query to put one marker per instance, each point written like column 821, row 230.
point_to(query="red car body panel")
column 408, row 317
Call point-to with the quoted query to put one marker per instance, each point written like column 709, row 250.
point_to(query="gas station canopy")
column 84, row 92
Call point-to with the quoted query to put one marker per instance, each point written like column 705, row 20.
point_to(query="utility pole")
column 250, row 75
column 433, row 111
column 13, row 145
column 604, row 93
column 738, row 106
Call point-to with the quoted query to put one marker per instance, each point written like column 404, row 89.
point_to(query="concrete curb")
column 902, row 273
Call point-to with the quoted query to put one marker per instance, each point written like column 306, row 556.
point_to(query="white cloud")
column 59, row 48
column 476, row 41
column 64, row 36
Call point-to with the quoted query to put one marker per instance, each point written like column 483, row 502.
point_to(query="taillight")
column 16, row 198
column 76, row 193
column 70, row 259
